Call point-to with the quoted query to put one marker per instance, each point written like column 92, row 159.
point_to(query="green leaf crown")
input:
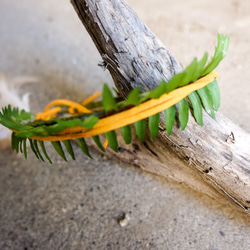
column 25, row 126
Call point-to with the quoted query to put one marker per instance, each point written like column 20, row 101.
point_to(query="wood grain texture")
column 130, row 51
column 213, row 159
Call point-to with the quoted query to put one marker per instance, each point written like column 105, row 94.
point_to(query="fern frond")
column 58, row 147
column 169, row 119
column 112, row 140
column 98, row 142
column 44, row 151
column 195, row 88
column 127, row 134
column 83, row 146
column 140, row 129
column 153, row 124
column 183, row 111
column 197, row 107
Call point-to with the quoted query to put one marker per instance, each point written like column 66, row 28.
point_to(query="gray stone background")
column 77, row 205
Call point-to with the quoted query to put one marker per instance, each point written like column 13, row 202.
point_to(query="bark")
column 213, row 159
column 130, row 51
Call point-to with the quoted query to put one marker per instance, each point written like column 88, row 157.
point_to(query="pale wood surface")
column 130, row 51
column 213, row 159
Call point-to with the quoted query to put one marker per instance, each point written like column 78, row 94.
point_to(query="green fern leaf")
column 33, row 148
column 14, row 142
column 153, row 124
column 88, row 122
column 200, row 67
column 169, row 119
column 183, row 113
column 127, row 134
column 190, row 72
column 44, row 151
column 37, row 150
column 157, row 92
column 37, row 131
column 12, row 125
column 112, row 139
column 21, row 145
column 214, row 91
column 58, row 126
column 206, row 101
column 133, row 98
column 140, row 128
column 58, row 147
column 12, row 119
column 220, row 53
column 69, row 148
column 108, row 99
column 98, row 142
column 197, row 107
column 175, row 81
column 25, row 148
column 81, row 142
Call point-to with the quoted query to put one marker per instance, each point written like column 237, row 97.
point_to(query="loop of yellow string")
column 74, row 108
column 47, row 115
column 130, row 116
column 91, row 98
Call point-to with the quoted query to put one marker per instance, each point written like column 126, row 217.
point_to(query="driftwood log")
column 213, row 159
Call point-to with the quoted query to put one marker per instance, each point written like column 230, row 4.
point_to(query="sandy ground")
column 77, row 205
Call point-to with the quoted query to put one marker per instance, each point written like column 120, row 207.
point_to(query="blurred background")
column 46, row 53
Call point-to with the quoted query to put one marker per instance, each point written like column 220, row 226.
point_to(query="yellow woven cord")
column 134, row 114
column 73, row 107
column 105, row 144
column 47, row 115
column 91, row 98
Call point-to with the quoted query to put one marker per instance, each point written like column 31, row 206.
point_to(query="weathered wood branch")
column 213, row 159
column 130, row 51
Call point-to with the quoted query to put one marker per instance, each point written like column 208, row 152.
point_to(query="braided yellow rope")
column 132, row 115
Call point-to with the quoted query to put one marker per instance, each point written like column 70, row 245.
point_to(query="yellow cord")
column 91, row 98
column 47, row 115
column 74, row 108
column 144, row 110
column 105, row 144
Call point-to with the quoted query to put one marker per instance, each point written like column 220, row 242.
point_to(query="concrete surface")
column 78, row 205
